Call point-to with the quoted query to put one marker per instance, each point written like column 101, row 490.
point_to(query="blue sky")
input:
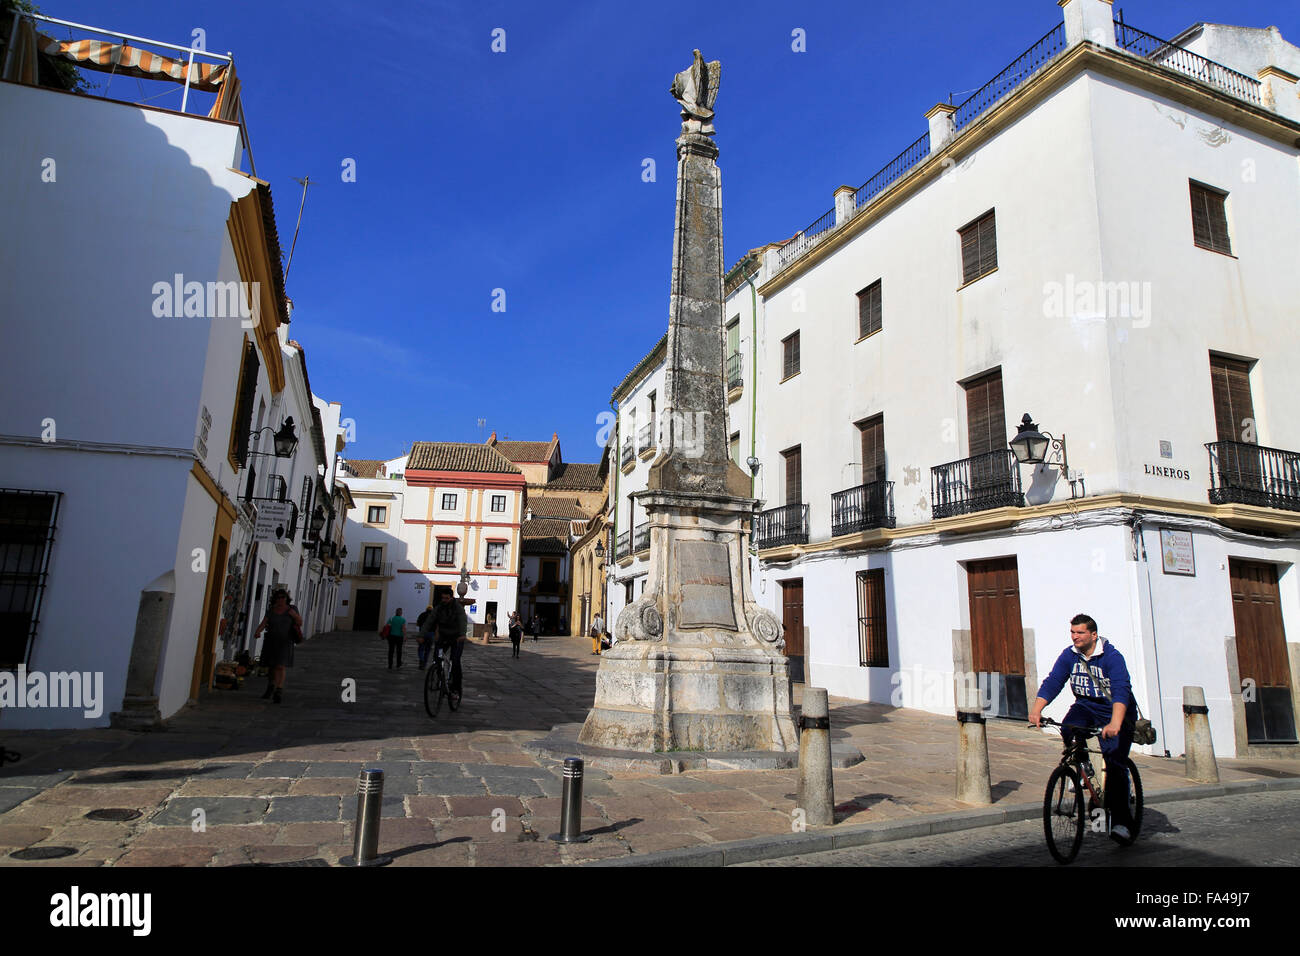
column 522, row 171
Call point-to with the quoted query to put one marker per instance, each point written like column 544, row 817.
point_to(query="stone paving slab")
column 278, row 783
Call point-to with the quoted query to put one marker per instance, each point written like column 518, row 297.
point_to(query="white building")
column 132, row 429
column 419, row 521
column 1106, row 237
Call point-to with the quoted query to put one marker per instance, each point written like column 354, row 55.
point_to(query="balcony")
column 1148, row 47
column 734, row 365
column 641, row 540
column 629, row 454
column 369, row 569
column 862, row 508
column 645, row 438
column 980, row 483
column 780, row 526
column 1254, row 475
column 622, row 545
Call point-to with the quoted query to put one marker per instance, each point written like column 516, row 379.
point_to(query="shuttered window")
column 1210, row 218
column 986, row 423
column 873, row 643
column 873, row 449
column 979, row 248
column 869, row 312
column 790, row 355
column 793, row 476
column 1234, row 412
column 242, row 426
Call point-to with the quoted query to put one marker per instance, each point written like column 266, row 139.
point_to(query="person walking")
column 396, row 637
column 424, row 644
column 537, row 626
column 597, row 634
column 516, row 629
column 283, row 628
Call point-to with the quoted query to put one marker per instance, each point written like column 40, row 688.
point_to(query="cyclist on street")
column 1103, row 697
column 447, row 624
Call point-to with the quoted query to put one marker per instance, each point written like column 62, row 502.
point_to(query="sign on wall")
column 273, row 521
column 1176, row 552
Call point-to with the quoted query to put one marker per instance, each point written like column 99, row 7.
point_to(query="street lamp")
column 463, row 587
column 317, row 521
column 285, row 439
column 1031, row 446
column 753, row 464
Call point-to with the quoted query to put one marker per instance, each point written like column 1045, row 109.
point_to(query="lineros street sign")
column 272, row 521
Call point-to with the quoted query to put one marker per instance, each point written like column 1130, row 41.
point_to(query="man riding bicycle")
column 447, row 625
column 1103, row 697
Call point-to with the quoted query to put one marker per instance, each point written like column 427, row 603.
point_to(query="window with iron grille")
column 873, row 643
column 27, row 523
column 448, row 502
column 496, row 554
column 1210, row 218
column 979, row 248
column 447, row 551
column 498, row 502
column 869, row 311
column 241, row 428
column 790, row 355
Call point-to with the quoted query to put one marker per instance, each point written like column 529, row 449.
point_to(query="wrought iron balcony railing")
column 645, row 437
column 622, row 545
column 370, row 569
column 641, row 540
column 862, row 508
column 629, row 453
column 1187, row 63
column 779, row 526
column 734, row 366
column 980, row 483
column 1254, row 475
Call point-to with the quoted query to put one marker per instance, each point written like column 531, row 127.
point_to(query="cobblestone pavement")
column 1252, row 829
column 277, row 783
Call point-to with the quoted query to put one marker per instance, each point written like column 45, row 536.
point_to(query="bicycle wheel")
column 433, row 689
column 1134, row 796
column 1063, row 816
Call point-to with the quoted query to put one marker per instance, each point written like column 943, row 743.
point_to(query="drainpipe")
column 617, row 463
column 753, row 376
column 1140, row 545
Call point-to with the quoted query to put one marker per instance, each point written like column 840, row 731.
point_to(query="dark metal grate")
column 28, row 520
column 113, row 814
column 43, row 853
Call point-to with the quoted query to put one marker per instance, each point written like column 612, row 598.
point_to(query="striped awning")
column 120, row 58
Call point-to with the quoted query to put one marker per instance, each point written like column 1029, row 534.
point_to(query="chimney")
column 492, row 439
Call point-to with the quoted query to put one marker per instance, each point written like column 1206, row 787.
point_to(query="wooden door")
column 997, row 639
column 366, row 609
column 1261, row 652
column 792, row 621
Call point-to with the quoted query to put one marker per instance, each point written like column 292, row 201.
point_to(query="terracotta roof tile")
column 364, row 467
column 458, row 456
column 576, row 475
column 530, row 451
column 545, row 536
column 557, row 508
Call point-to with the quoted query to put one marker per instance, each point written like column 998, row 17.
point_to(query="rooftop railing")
column 1021, row 69
column 1190, row 64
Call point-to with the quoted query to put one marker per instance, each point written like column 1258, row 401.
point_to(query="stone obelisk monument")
column 698, row 665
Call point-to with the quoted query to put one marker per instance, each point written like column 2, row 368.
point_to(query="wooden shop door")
column 997, row 640
column 792, row 620
column 1261, row 652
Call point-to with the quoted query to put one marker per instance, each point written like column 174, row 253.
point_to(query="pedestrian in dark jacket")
column 516, row 629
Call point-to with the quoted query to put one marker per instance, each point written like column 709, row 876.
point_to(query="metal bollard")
column 1197, row 743
column 816, row 793
column 365, row 841
column 571, row 804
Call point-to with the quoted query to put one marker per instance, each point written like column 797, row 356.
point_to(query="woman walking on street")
column 283, row 627
column 396, row 637
column 516, row 629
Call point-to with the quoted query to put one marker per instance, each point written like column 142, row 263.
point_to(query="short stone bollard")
column 1201, row 765
column 571, row 804
column 973, row 759
column 816, row 793
column 365, row 841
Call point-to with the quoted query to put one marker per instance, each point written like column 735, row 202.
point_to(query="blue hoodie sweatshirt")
column 1097, row 681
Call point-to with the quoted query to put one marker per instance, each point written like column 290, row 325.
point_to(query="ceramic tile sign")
column 273, row 521
column 1176, row 552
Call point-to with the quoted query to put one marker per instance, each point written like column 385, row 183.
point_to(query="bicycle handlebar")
column 1087, row 731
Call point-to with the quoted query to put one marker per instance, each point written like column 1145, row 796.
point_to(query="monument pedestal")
column 698, row 666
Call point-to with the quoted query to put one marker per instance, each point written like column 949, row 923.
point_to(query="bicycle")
column 437, row 683
column 1066, row 812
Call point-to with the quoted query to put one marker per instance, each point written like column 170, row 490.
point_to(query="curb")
column 817, row 841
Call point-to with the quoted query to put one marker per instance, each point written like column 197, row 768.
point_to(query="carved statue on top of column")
column 696, row 88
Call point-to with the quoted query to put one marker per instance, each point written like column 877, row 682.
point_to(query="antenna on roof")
column 305, row 182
